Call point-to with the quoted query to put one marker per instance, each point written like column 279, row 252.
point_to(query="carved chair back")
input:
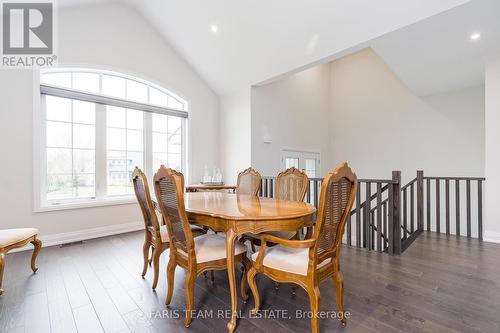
column 291, row 184
column 337, row 196
column 141, row 189
column 170, row 195
column 248, row 182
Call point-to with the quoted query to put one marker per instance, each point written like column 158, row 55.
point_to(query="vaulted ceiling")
column 259, row 40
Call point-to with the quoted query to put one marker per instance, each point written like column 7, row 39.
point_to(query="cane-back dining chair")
column 309, row 262
column 291, row 185
column 248, row 182
column 195, row 255
column 156, row 235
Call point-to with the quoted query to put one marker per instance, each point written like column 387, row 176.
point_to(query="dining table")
column 237, row 214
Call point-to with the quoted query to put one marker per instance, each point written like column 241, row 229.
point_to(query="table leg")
column 230, row 242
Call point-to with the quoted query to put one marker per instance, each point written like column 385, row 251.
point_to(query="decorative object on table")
column 215, row 179
column 311, row 261
column 156, row 235
column 195, row 255
column 16, row 238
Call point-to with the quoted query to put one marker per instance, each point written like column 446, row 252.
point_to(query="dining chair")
column 311, row 261
column 156, row 235
column 291, row 185
column 248, row 182
column 16, row 238
column 195, row 255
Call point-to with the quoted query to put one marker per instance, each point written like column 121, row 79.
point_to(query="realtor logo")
column 28, row 29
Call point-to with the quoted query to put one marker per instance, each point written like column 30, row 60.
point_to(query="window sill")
column 86, row 204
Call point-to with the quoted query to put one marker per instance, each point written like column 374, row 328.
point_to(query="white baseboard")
column 491, row 236
column 85, row 234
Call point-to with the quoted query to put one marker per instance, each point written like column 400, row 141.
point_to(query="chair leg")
column 253, row 287
column 314, row 300
column 244, row 281
column 38, row 246
column 156, row 265
column 189, row 288
column 2, row 264
column 338, row 280
column 170, row 280
column 145, row 254
column 212, row 277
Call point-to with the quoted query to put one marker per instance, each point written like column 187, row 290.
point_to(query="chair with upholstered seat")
column 195, row 255
column 311, row 261
column 156, row 235
column 15, row 238
column 291, row 185
column 248, row 182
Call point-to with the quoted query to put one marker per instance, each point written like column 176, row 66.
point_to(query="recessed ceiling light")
column 475, row 36
column 214, row 28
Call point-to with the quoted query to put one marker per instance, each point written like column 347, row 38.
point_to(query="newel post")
column 394, row 214
column 420, row 200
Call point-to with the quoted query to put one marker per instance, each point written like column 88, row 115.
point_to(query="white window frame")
column 39, row 138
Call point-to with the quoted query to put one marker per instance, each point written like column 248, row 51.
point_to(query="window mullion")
column 100, row 152
column 148, row 145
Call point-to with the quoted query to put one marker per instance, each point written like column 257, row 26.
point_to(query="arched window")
column 97, row 127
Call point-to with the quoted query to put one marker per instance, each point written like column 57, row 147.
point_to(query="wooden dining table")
column 236, row 214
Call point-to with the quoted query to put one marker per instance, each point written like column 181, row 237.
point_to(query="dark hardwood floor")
column 438, row 285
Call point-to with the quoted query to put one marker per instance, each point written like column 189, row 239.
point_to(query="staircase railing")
column 388, row 216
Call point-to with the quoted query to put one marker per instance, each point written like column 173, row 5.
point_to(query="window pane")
column 83, row 112
column 291, row 162
column 160, row 123
column 86, row 82
column 59, row 161
column 84, row 186
column 174, row 103
column 174, row 125
column 115, row 117
column 134, row 159
column 83, row 161
column 134, row 140
column 174, row 161
column 157, row 97
column 58, row 134
column 159, row 159
column 113, row 86
column 135, row 119
column 160, row 143
column 311, row 168
column 117, row 173
column 175, row 144
column 137, row 91
column 116, row 139
column 83, row 136
column 58, row 108
column 57, row 79
column 59, row 187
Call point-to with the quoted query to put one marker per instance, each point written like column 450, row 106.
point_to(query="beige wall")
column 294, row 111
column 379, row 125
column 492, row 137
column 111, row 37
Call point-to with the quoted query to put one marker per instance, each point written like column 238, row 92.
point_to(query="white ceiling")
column 436, row 55
column 261, row 39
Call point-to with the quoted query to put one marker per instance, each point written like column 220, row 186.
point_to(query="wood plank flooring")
column 439, row 284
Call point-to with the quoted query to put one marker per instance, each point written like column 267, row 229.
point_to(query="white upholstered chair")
column 15, row 238
column 195, row 255
column 309, row 262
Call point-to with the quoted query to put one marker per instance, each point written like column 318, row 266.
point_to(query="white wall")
column 492, row 138
column 379, row 125
column 104, row 36
column 356, row 109
column 294, row 111
column 235, row 134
